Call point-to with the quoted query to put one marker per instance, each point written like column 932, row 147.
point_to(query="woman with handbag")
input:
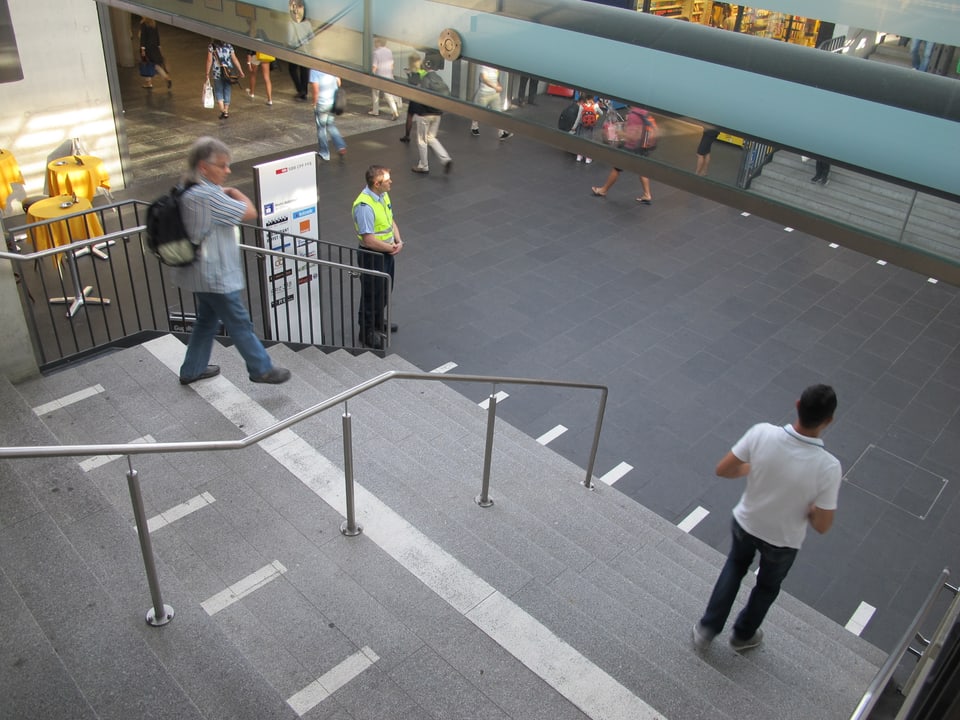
column 150, row 54
column 223, row 69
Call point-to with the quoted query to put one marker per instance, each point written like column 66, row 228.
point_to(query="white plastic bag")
column 207, row 95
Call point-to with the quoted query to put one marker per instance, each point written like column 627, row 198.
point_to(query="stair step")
column 610, row 578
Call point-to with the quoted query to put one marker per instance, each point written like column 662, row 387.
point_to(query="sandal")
column 645, row 201
column 598, row 192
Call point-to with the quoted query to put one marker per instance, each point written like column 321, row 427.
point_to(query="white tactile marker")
column 180, row 511
column 500, row 396
column 96, row 461
column 242, row 588
column 561, row 666
column 860, row 618
column 551, row 435
column 445, row 368
column 68, row 399
column 331, row 681
column 693, row 519
column 618, row 472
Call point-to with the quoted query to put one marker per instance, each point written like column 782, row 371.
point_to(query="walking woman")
column 222, row 68
column 150, row 51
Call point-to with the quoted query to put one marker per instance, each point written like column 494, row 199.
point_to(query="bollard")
column 159, row 614
column 483, row 499
column 349, row 527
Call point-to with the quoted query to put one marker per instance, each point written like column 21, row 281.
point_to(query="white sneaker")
column 588, row 160
column 579, row 158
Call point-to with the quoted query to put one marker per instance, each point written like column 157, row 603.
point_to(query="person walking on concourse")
column 211, row 214
column 792, row 482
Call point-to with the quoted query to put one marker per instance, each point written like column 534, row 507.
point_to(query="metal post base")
column 153, row 620
column 78, row 301
column 345, row 529
column 483, row 503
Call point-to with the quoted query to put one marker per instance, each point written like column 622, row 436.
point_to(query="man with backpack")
column 426, row 120
column 210, row 214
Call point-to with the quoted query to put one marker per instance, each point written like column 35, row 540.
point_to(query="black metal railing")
column 115, row 291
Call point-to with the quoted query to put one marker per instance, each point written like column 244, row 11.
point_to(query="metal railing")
column 122, row 291
column 885, row 673
column 159, row 613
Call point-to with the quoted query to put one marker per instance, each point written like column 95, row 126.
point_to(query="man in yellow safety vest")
column 379, row 239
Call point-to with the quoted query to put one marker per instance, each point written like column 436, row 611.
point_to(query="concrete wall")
column 64, row 92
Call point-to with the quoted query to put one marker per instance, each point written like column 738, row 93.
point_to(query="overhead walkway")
column 774, row 94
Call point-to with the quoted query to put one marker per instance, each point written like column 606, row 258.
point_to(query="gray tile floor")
column 700, row 319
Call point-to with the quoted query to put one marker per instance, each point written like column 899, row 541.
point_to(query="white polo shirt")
column 788, row 473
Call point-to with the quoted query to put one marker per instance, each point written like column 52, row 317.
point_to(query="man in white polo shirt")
column 792, row 482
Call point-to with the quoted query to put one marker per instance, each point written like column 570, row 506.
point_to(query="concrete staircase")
column 889, row 211
column 556, row 602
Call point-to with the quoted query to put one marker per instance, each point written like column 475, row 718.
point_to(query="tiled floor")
column 700, row 319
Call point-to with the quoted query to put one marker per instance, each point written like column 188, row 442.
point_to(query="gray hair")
column 203, row 149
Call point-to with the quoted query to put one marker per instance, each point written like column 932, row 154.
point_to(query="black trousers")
column 522, row 90
column 374, row 291
column 300, row 76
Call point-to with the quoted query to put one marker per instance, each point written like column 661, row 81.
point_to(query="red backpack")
column 640, row 130
column 589, row 114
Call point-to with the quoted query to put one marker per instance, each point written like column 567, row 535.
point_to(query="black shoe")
column 815, row 178
column 506, row 135
column 393, row 327
column 405, row 138
column 273, row 376
column 824, row 181
column 448, row 167
column 373, row 340
column 210, row 372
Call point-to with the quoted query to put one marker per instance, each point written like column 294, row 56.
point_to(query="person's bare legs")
column 267, row 82
column 611, row 179
column 252, row 83
column 703, row 162
column 646, row 198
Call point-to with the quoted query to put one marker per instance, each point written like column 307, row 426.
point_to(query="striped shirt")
column 210, row 218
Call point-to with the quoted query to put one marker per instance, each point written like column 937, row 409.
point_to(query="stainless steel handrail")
column 880, row 680
column 160, row 614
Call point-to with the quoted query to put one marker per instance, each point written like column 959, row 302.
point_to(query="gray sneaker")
column 741, row 645
column 274, row 376
column 702, row 637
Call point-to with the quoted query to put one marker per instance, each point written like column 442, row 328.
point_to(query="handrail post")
column 483, row 499
column 159, row 614
column 349, row 527
column 588, row 480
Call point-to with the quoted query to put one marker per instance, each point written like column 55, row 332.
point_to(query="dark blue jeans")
column 775, row 563
column 212, row 308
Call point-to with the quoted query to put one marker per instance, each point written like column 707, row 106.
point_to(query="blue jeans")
column 325, row 124
column 212, row 309
column 221, row 90
column 775, row 563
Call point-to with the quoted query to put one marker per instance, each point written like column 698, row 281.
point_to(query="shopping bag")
column 147, row 69
column 207, row 95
